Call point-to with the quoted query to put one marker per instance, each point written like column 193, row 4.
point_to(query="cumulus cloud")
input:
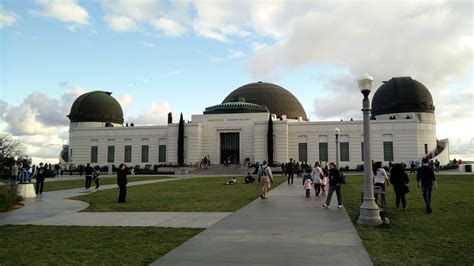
column 462, row 148
column 416, row 39
column 8, row 18
column 125, row 100
column 40, row 123
column 67, row 11
column 157, row 114
column 121, row 23
column 168, row 27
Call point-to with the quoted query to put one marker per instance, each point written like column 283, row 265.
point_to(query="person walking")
column 88, row 171
column 122, row 182
column 40, row 175
column 426, row 180
column 290, row 169
column 380, row 178
column 334, row 185
column 316, row 174
column 399, row 180
column 265, row 176
column 96, row 176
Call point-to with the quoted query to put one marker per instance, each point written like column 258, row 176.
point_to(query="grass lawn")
column 78, row 183
column 74, row 245
column 191, row 195
column 444, row 237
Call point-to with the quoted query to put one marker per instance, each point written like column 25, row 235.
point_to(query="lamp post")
column 336, row 132
column 369, row 211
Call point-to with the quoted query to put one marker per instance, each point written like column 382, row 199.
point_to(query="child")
column 323, row 184
column 307, row 182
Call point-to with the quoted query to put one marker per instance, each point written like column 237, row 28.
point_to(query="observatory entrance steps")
column 220, row 169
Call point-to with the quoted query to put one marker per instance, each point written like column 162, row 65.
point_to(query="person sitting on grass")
column 232, row 181
column 249, row 179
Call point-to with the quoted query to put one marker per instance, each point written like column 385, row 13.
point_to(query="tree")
column 11, row 149
column 181, row 140
column 270, row 140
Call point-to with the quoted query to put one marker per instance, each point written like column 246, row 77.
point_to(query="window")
column 94, row 153
column 323, row 151
column 162, row 153
column 128, row 154
column 362, row 150
column 344, row 149
column 388, row 151
column 426, row 148
column 303, row 152
column 145, row 153
column 110, row 154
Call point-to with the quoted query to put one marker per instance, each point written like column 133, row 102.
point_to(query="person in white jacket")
column 316, row 175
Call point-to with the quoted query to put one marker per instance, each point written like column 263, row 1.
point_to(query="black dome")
column 402, row 95
column 96, row 106
column 277, row 99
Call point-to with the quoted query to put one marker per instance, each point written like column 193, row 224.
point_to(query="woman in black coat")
column 122, row 182
column 399, row 180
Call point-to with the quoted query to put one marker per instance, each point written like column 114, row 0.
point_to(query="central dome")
column 277, row 99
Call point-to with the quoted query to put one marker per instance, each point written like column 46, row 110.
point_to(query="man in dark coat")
column 88, row 170
column 122, row 182
column 40, row 174
column 426, row 178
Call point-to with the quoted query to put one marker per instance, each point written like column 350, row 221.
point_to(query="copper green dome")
column 96, row 106
column 402, row 95
column 277, row 99
column 236, row 105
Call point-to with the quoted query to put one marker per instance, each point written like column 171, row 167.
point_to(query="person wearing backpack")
column 264, row 177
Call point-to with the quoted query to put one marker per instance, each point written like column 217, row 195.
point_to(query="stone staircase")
column 220, row 169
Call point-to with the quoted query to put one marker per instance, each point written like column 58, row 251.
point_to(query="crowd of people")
column 324, row 178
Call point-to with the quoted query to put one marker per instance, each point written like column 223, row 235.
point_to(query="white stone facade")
column 410, row 138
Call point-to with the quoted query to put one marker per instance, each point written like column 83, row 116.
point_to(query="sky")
column 182, row 56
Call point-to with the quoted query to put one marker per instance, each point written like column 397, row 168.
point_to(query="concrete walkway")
column 55, row 209
column 285, row 229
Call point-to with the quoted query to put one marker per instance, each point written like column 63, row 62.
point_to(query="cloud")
column 67, row 11
column 148, row 44
column 3, row 108
column 157, row 114
column 235, row 53
column 125, row 100
column 462, row 148
column 121, row 23
column 169, row 27
column 8, row 18
column 40, row 123
column 172, row 73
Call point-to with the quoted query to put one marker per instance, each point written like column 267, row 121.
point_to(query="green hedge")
column 9, row 197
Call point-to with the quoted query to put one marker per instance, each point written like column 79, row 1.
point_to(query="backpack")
column 343, row 178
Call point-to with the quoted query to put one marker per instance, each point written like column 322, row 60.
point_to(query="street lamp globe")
column 337, row 131
column 365, row 83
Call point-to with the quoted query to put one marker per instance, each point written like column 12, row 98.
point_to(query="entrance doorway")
column 230, row 147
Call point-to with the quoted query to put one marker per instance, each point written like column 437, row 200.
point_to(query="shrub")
column 450, row 166
column 9, row 197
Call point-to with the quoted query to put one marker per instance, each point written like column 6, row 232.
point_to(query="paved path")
column 285, row 229
column 54, row 209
